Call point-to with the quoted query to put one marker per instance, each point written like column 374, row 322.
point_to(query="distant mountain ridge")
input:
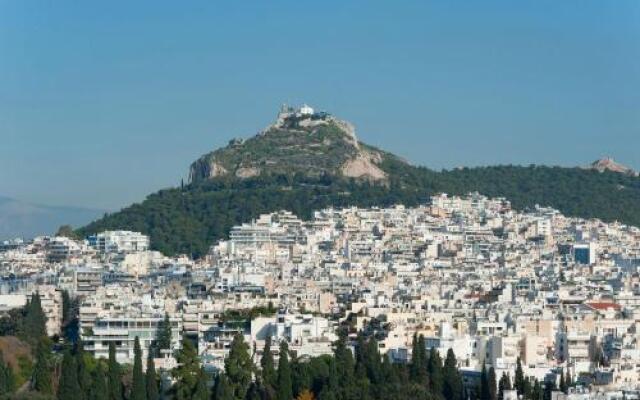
column 26, row 220
column 307, row 161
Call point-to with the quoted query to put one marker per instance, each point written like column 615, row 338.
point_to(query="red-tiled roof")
column 603, row 306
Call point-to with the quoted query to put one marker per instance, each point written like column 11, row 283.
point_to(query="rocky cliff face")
column 313, row 145
column 608, row 164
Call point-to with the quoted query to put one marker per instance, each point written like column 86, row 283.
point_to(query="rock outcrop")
column 608, row 164
column 363, row 166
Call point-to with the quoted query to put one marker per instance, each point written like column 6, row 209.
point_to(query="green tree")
column 285, row 385
column 69, row 388
column 188, row 371
column 202, row 391
column 99, row 389
column 368, row 364
column 151, row 379
column 267, row 364
column 223, row 389
column 7, row 378
column 84, row 375
column 68, row 232
column 563, row 383
column 485, row 393
column 436, row 378
column 238, row 367
column 33, row 325
column 115, row 382
column 256, row 392
column 300, row 375
column 537, row 392
column 164, row 335
column 418, row 365
column 540, row 393
column 66, row 307
column 452, row 387
column 139, row 388
column 503, row 384
column 493, row 394
column 527, row 389
column 41, row 379
column 344, row 369
column 519, row 381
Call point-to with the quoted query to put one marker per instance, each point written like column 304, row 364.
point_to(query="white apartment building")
column 307, row 335
column 120, row 242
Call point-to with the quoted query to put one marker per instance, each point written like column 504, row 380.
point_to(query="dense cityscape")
column 336, row 200
column 511, row 294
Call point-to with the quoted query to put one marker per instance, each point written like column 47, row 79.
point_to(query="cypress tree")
column 435, row 371
column 371, row 360
column 414, row 366
column 332, row 383
column 503, row 384
column 10, row 378
column 300, row 375
column 7, row 378
column 255, row 392
column 484, row 384
column 138, row 389
column 546, row 392
column 568, row 380
column 563, row 383
column 267, row 364
column 223, row 389
column 527, row 389
column 187, row 373
column 537, row 392
column 452, row 388
column 4, row 382
column 66, row 307
column 493, row 395
column 69, row 388
column 326, row 394
column 419, row 362
column 84, row 377
column 99, row 390
column 344, row 369
column 202, row 391
column 33, row 324
column 519, row 381
column 507, row 383
column 115, row 384
column 164, row 335
column 151, row 380
column 238, row 367
column 41, row 379
column 285, row 385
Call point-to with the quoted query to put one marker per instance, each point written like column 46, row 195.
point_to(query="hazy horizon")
column 103, row 104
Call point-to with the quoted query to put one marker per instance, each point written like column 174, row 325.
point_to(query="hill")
column 306, row 162
column 314, row 144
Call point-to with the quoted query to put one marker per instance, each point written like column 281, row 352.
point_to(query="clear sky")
column 102, row 103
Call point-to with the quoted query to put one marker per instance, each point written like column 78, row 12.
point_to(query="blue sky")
column 103, row 103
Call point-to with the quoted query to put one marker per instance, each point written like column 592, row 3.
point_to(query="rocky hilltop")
column 608, row 164
column 300, row 141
